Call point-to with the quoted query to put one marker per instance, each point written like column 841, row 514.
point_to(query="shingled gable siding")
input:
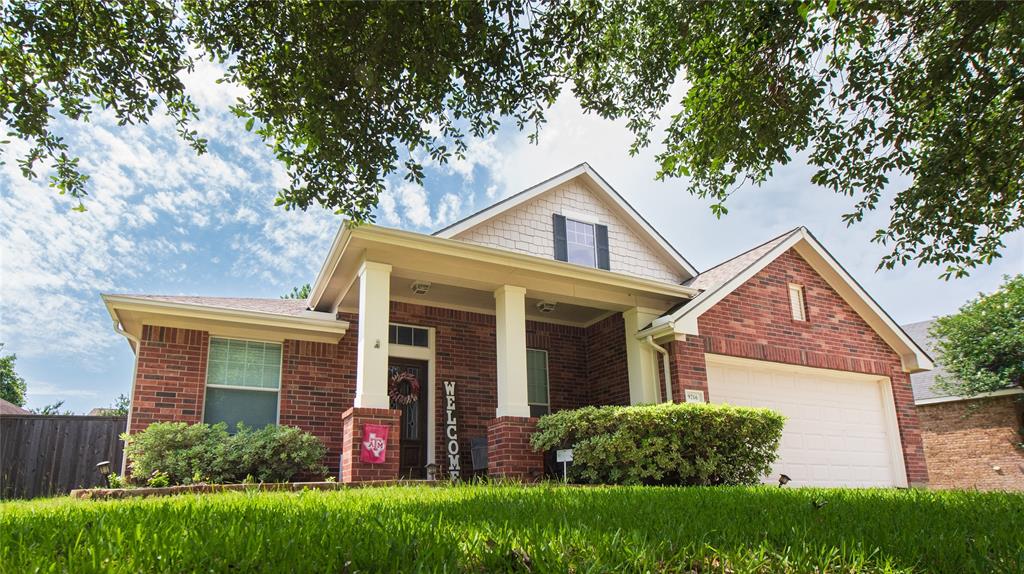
column 170, row 376
column 754, row 322
column 528, row 228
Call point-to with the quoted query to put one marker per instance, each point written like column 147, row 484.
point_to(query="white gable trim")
column 684, row 321
column 597, row 183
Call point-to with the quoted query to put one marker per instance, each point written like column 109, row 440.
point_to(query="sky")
column 162, row 220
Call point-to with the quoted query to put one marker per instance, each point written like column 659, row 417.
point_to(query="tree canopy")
column 982, row 346
column 348, row 94
column 298, row 292
column 12, row 386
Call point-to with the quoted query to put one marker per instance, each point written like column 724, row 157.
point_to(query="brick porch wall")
column 352, row 421
column 972, row 444
column 754, row 322
column 170, row 378
column 607, row 371
column 509, row 454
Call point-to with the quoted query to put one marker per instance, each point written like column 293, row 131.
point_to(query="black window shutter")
column 561, row 249
column 601, row 234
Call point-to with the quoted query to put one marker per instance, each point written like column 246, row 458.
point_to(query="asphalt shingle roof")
column 923, row 382
column 726, row 270
column 288, row 307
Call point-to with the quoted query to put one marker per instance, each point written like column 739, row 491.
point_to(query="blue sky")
column 162, row 220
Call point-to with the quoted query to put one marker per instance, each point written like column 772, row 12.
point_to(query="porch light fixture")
column 546, row 306
column 783, row 480
column 420, row 287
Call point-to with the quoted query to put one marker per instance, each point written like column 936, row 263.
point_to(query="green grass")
column 509, row 528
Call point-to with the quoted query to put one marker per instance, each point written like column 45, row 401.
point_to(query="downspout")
column 131, row 393
column 665, row 365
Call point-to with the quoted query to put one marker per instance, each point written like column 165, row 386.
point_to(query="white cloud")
column 415, row 208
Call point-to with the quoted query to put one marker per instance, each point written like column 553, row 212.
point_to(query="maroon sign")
column 374, row 448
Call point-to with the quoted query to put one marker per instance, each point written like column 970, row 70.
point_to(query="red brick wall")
column 686, row 361
column 607, row 370
column 567, row 362
column 973, row 444
column 509, row 454
column 754, row 321
column 170, row 378
column 318, row 384
column 352, row 421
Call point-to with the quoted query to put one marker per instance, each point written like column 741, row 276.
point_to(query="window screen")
column 243, row 379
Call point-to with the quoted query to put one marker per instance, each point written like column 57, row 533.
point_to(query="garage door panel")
column 836, row 432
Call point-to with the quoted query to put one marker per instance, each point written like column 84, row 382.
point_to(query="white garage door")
column 839, row 428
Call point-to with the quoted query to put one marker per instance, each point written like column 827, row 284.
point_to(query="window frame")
column 414, row 328
column 797, row 300
column 547, row 373
column 593, row 234
column 280, row 376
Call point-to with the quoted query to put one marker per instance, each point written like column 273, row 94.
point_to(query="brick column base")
column 509, row 454
column 352, row 470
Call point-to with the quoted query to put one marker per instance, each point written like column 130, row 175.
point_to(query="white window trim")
column 280, row 377
column 800, row 302
column 547, row 371
column 580, row 217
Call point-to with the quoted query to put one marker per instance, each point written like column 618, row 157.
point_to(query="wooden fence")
column 47, row 455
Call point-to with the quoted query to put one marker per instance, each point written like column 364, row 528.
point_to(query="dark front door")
column 412, row 457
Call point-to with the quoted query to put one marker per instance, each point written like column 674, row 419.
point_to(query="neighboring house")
column 969, row 442
column 8, row 408
column 558, row 297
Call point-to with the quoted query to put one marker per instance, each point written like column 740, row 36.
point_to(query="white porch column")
column 640, row 359
column 372, row 354
column 510, row 310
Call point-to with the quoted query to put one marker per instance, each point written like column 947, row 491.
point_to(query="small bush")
column 188, row 454
column 667, row 444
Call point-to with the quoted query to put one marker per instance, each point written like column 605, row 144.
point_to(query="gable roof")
column 923, row 383
column 723, row 279
column 601, row 188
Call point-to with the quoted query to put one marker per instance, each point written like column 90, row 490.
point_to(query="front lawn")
column 509, row 528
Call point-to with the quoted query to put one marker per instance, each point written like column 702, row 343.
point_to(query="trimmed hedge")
column 197, row 453
column 665, row 444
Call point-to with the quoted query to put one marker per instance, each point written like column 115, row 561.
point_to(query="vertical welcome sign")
column 451, row 430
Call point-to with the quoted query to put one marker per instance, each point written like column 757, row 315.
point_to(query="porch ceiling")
column 465, row 276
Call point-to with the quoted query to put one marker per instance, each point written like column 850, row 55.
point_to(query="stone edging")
column 118, row 493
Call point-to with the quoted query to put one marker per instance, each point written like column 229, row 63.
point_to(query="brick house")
column 555, row 298
column 969, row 442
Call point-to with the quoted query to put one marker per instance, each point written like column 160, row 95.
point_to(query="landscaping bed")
column 510, row 528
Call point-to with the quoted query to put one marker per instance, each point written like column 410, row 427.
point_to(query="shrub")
column 207, row 453
column 277, row 453
column 678, row 444
column 180, row 450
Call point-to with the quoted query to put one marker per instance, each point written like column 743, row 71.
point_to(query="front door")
column 407, row 388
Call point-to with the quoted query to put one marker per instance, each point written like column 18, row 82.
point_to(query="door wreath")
column 404, row 388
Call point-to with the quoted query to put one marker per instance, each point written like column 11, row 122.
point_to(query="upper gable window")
column 580, row 244
column 797, row 306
